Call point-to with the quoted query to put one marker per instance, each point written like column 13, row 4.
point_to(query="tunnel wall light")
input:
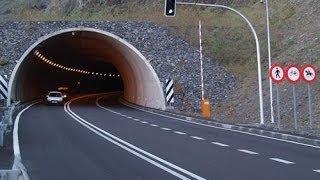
column 48, row 61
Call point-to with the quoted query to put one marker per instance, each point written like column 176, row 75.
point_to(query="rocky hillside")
column 295, row 39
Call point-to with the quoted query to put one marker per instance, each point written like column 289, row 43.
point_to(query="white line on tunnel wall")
column 127, row 48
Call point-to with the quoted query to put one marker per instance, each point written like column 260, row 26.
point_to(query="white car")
column 55, row 97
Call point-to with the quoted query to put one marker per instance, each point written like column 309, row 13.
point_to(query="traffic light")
column 170, row 8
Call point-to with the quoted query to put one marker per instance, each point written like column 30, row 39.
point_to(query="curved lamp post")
column 257, row 48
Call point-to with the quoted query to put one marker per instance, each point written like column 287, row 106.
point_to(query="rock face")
column 170, row 56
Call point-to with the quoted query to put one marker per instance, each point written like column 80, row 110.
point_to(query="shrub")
column 3, row 62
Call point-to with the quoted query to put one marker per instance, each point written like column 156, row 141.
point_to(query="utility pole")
column 269, row 60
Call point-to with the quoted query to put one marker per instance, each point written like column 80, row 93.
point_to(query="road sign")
column 293, row 73
column 4, row 86
column 169, row 91
column 170, row 8
column 309, row 73
column 277, row 73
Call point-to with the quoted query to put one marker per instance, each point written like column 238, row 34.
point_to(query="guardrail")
column 9, row 174
column 18, row 171
column 6, row 122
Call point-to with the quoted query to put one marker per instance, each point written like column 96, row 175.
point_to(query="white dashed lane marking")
column 317, row 170
column 282, row 161
column 136, row 119
column 247, row 151
column 181, row 133
column 220, row 144
column 144, row 122
column 196, row 137
column 154, row 125
column 167, row 129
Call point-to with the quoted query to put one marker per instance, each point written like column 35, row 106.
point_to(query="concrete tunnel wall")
column 169, row 55
column 141, row 83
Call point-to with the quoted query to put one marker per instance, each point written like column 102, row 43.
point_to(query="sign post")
column 309, row 75
column 257, row 46
column 293, row 75
column 169, row 92
column 277, row 75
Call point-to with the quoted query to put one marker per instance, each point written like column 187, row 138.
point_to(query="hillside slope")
column 295, row 39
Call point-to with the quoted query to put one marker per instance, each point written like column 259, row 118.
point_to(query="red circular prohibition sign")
column 271, row 75
column 291, row 67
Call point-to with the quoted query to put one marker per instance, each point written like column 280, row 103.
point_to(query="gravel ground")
column 170, row 55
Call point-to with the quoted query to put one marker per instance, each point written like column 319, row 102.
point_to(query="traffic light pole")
column 257, row 48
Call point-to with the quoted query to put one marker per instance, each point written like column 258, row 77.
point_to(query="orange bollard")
column 205, row 108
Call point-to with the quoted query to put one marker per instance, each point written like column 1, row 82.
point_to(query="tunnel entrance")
column 85, row 60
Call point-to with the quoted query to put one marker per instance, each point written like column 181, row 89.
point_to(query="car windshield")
column 55, row 94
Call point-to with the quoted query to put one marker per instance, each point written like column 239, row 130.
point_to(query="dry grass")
column 226, row 38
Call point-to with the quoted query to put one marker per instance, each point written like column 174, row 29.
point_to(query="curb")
column 240, row 128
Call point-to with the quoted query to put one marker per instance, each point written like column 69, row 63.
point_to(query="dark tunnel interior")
column 85, row 62
column 67, row 51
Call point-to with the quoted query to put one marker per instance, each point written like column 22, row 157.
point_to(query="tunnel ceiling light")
column 46, row 60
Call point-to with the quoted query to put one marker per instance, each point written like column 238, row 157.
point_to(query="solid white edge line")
column 282, row 161
column 128, row 149
column 118, row 141
column 242, row 132
column 16, row 146
column 220, row 144
column 247, row 151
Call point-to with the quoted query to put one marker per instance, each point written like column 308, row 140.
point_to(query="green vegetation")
column 226, row 37
column 3, row 62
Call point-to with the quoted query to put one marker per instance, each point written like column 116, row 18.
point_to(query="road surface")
column 95, row 137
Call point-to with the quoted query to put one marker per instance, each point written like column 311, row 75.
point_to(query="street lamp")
column 269, row 57
column 257, row 48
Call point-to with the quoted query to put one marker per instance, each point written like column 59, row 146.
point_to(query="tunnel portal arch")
column 141, row 83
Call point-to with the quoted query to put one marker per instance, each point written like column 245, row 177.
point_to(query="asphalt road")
column 99, row 138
